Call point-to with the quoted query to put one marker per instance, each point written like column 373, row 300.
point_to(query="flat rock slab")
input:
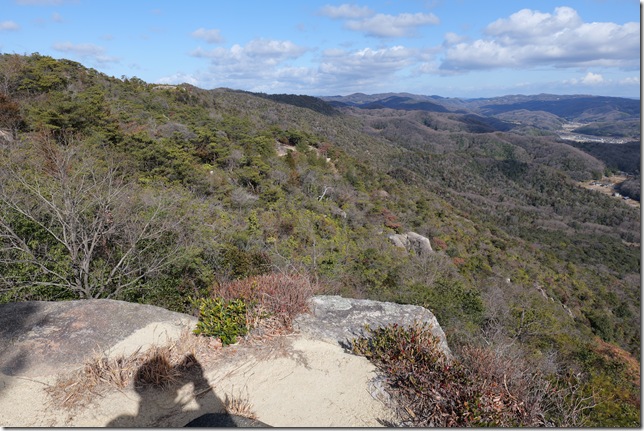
column 338, row 319
column 41, row 338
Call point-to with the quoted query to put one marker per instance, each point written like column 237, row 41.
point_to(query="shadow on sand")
column 173, row 404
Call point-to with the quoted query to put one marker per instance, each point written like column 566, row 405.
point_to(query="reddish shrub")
column 391, row 219
column 439, row 243
column 281, row 295
column 481, row 388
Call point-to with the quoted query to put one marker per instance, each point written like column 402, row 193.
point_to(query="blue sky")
column 451, row 48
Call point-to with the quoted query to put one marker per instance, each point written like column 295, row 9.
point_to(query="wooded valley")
column 117, row 188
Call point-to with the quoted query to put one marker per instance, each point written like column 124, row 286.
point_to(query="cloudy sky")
column 451, row 48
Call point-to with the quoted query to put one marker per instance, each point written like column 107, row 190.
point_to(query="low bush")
column 267, row 302
column 222, row 319
column 282, row 296
column 483, row 387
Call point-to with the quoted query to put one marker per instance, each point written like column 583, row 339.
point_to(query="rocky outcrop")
column 41, row 337
column 338, row 319
column 412, row 241
column 281, row 376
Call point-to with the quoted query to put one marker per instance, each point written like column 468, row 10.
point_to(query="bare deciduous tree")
column 71, row 221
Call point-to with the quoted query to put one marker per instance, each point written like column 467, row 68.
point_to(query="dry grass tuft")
column 158, row 370
column 159, row 367
column 239, row 405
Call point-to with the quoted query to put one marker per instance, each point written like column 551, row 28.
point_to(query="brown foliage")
column 458, row 261
column 483, row 387
column 281, row 295
column 439, row 243
column 10, row 117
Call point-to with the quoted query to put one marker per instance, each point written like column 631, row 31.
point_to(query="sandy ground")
column 289, row 381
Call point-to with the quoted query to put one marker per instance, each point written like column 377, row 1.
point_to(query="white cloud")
column 595, row 80
column 82, row 49
column 265, row 65
column 266, row 51
column 56, row 17
column 9, row 26
column 401, row 25
column 367, row 62
column 341, row 71
column 209, row 35
column 592, row 79
column 280, row 49
column 178, row 78
column 345, row 11
column 631, row 80
column 453, row 38
column 529, row 24
column 532, row 38
column 365, row 20
column 479, row 54
column 260, row 60
column 85, row 50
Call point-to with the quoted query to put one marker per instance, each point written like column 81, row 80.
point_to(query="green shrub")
column 450, row 299
column 237, row 263
column 222, row 319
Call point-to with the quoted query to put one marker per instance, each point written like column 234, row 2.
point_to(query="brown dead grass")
column 239, row 405
column 159, row 366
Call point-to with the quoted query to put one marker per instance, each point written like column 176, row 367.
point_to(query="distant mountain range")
column 544, row 111
column 571, row 108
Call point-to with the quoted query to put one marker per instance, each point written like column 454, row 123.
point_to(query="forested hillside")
column 115, row 188
column 543, row 114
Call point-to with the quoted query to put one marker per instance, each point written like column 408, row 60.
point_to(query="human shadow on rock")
column 163, row 399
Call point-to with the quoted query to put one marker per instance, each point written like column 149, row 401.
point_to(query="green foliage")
column 43, row 73
column 225, row 320
column 237, row 263
column 377, row 271
column 613, row 384
column 618, row 403
column 451, row 299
